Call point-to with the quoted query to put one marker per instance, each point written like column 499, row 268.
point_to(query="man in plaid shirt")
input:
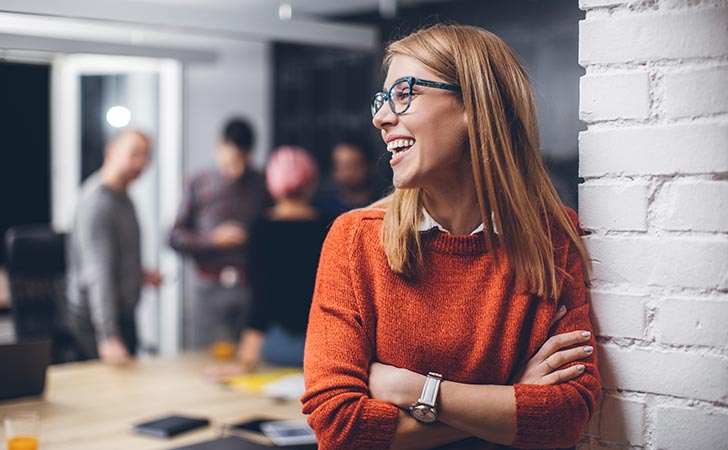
column 211, row 227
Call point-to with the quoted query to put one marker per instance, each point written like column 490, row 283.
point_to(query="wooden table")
column 89, row 406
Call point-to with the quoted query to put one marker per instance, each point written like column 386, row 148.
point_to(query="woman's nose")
column 384, row 117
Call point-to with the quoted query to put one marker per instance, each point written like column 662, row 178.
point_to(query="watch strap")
column 430, row 389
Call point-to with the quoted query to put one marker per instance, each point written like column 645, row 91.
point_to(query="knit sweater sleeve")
column 556, row 415
column 338, row 354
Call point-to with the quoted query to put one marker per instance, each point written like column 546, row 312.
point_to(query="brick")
column 697, row 93
column 618, row 315
column 693, row 321
column 676, row 373
column 622, row 420
column 686, row 33
column 682, row 428
column 688, row 205
column 614, row 206
column 648, row 261
column 590, row 4
column 618, row 96
column 656, row 150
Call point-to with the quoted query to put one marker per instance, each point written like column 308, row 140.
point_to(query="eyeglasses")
column 399, row 95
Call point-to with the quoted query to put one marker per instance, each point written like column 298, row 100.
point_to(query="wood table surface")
column 90, row 406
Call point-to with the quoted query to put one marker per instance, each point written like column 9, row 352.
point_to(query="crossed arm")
column 484, row 411
column 346, row 416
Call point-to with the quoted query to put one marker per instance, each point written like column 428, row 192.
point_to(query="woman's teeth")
column 400, row 145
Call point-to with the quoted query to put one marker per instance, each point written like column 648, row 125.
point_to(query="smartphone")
column 251, row 426
column 288, row 432
column 249, row 429
column 169, row 426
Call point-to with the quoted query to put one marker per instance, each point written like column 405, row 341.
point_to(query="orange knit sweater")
column 462, row 318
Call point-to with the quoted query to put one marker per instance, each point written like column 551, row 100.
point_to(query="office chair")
column 36, row 267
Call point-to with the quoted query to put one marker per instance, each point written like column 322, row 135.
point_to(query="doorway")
column 86, row 90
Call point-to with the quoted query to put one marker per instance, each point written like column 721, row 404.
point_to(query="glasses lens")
column 399, row 96
column 377, row 102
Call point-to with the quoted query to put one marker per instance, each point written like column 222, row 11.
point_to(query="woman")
column 429, row 304
column 283, row 254
column 284, row 251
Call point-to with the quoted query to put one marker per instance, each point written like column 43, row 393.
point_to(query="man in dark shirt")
column 211, row 227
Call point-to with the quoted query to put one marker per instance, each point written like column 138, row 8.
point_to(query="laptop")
column 23, row 368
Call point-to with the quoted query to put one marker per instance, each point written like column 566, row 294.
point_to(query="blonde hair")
column 515, row 195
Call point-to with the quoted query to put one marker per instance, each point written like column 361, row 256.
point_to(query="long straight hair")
column 515, row 195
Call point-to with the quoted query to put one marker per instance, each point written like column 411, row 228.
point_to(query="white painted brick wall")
column 690, row 205
column 689, row 429
column 622, row 206
column 654, row 150
column 619, row 96
column 586, row 4
column 700, row 263
column 695, row 93
column 693, row 322
column 618, row 315
column 653, row 35
column 679, row 373
column 654, row 158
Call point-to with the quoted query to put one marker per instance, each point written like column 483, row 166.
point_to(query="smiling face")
column 429, row 142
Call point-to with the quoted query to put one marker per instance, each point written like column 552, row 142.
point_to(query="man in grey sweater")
column 105, row 274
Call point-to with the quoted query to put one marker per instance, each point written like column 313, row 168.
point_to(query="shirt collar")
column 427, row 223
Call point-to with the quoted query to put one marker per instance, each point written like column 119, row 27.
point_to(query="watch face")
column 424, row 413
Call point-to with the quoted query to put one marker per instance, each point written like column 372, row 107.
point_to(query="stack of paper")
column 282, row 383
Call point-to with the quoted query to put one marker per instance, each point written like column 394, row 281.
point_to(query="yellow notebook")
column 256, row 382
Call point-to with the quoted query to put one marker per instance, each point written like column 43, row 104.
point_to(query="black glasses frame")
column 380, row 98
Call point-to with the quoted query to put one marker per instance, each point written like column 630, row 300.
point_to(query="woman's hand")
column 400, row 387
column 544, row 366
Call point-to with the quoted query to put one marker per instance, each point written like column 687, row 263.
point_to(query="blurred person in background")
column 212, row 225
column 351, row 176
column 283, row 253
column 105, row 274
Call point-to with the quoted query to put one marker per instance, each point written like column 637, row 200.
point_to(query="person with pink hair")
column 283, row 252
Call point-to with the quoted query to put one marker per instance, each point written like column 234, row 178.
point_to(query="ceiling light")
column 285, row 11
column 118, row 116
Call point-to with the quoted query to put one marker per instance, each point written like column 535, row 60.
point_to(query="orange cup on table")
column 223, row 350
column 22, row 430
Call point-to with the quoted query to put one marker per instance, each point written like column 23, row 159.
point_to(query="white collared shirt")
column 427, row 223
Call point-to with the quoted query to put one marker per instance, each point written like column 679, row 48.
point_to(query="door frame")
column 165, row 327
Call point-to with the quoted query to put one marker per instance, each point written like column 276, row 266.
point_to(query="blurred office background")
column 73, row 73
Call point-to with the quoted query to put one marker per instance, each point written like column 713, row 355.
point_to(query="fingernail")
column 585, row 334
column 588, row 348
column 562, row 308
column 580, row 367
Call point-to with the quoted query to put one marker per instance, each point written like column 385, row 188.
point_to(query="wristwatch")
column 424, row 410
